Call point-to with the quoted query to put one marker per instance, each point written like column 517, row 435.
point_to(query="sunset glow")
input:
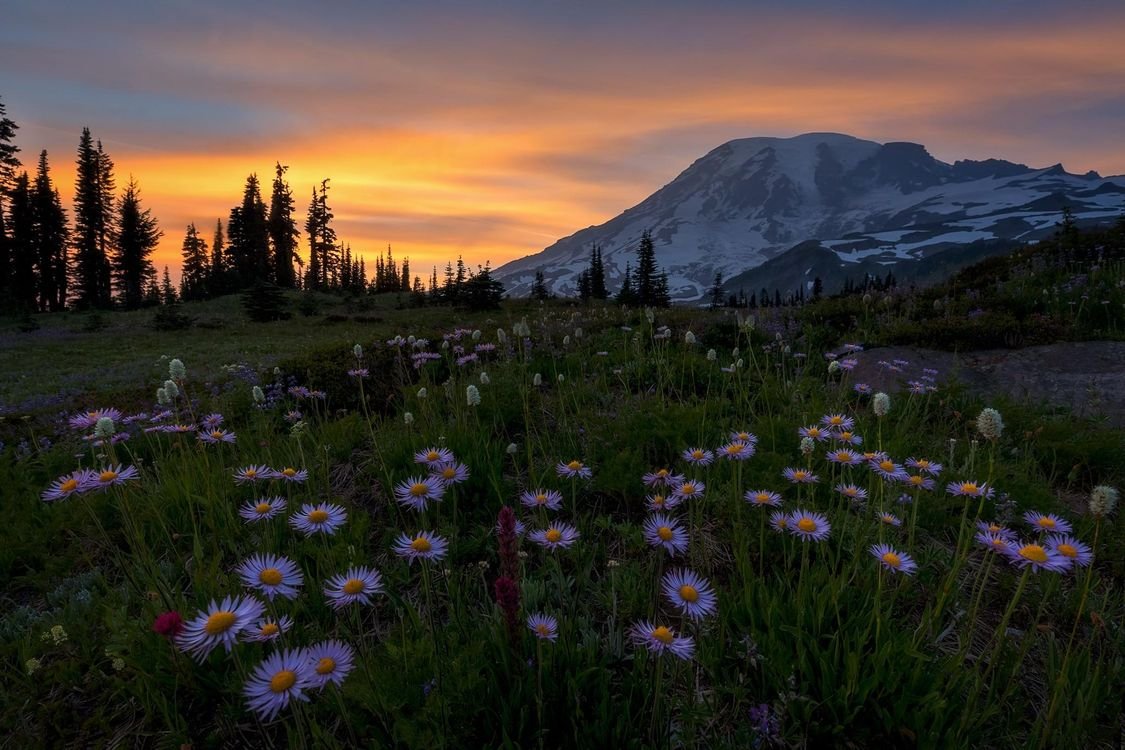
column 491, row 130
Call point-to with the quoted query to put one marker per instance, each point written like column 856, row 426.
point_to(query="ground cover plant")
column 552, row 526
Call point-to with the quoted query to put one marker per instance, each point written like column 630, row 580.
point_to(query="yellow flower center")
column 688, row 593
column 541, row 499
column 664, row 533
column 851, row 491
column 352, row 586
column 542, row 629
column 687, row 489
column 318, row 516
column 250, row 473
column 761, row 497
column 263, row 508
column 998, row 542
column 289, row 471
column 783, row 523
column 69, row 485
column 92, row 415
column 868, row 456
column 270, row 628
column 662, row 473
column 886, row 465
column 270, row 576
column 845, row 436
column 1047, row 523
column 743, row 436
column 890, row 558
column 658, row 500
column 697, row 455
column 662, row 634
column 421, row 544
column 734, row 448
column 448, row 472
column 107, row 476
column 432, row 456
column 216, row 434
column 418, row 489
column 327, row 665
column 993, row 528
column 800, row 474
column 283, row 680
column 887, row 518
column 1067, row 550
column 219, row 622
column 923, row 464
column 844, row 456
column 806, row 525
column 1033, row 552
column 969, row 488
column 836, row 420
column 916, row 481
column 574, row 465
column 553, row 535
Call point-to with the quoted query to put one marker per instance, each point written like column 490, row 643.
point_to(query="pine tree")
column 137, row 236
column 312, row 229
column 193, row 282
column 817, row 288
column 661, row 296
column 93, row 223
column 627, row 295
column 717, row 290
column 539, row 287
column 646, row 278
column 323, row 253
column 405, row 286
column 282, row 229
column 22, row 246
column 248, row 237
column 346, row 269
column 216, row 277
column 583, row 284
column 9, row 162
column 481, row 291
column 598, row 288
column 167, row 291
column 50, row 240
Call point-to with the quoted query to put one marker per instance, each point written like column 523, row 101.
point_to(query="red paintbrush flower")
column 168, row 624
column 508, row 597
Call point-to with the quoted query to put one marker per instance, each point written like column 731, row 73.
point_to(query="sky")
column 491, row 128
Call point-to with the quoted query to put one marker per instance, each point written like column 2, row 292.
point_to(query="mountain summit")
column 865, row 205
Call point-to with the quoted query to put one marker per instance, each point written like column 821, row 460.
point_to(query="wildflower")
column 289, row 474
column 424, row 546
column 357, row 350
column 893, row 560
column 968, row 489
column 763, row 498
column 258, row 395
column 919, row 482
column 162, row 397
column 282, row 677
column 845, row 457
column 779, row 521
column 322, row 517
column 833, row 367
column 1103, row 499
column 689, row 489
column 818, row 434
column 212, row 421
column 698, row 456
column 263, row 509
column 423, row 393
column 408, row 418
column 990, row 424
column 661, row 638
column 1071, row 548
column 690, row 593
column 737, row 450
column 111, row 476
column 888, row 469
column 851, row 491
column 57, row 634
column 359, row 584
column 712, row 355
column 484, row 379
column 512, row 449
column 508, row 530
column 543, row 626
column 540, row 498
column 331, row 662
column 418, row 492
column 573, row 469
column 168, row 624
column 537, row 380
column 994, row 542
column 800, row 476
column 881, row 404
column 555, row 536
column 31, row 666
column 74, row 483
column 219, row 624
column 809, row 525
column 889, row 519
column 453, row 472
column 171, row 390
column 216, row 436
column 991, row 527
column 862, row 389
column 434, row 457
column 268, row 630
column 118, row 664
column 507, row 593
column 88, row 419
column 660, row 501
column 661, row 531
column 1037, row 557
column 272, row 575
column 472, row 395
column 661, row 478
column 847, row 437
column 1049, row 522
column 176, row 370
column 358, row 372
column 104, row 428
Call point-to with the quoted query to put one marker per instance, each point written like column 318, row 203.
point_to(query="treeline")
column 102, row 256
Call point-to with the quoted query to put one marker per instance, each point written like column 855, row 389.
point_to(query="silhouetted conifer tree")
column 196, row 266
column 137, row 236
column 282, row 230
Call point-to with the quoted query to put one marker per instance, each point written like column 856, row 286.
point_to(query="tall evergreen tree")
column 22, row 244
column 717, row 290
column 323, row 253
column 583, row 285
column 50, row 237
column 539, row 287
column 167, row 291
column 9, row 162
column 196, row 266
column 405, row 285
column 646, row 281
column 137, row 236
column 217, row 271
column 627, row 295
column 93, row 223
column 248, row 237
column 283, row 229
column 598, row 288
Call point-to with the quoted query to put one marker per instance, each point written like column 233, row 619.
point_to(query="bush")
column 171, row 318
column 265, row 302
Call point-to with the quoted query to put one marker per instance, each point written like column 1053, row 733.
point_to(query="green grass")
column 840, row 652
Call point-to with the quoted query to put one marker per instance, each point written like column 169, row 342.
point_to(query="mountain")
column 846, row 205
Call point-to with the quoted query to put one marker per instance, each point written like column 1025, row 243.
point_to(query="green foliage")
column 265, row 302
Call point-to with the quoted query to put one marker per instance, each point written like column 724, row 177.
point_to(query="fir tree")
column 167, row 291
column 405, row 286
column 283, row 229
column 93, row 223
column 216, row 274
column 717, row 290
column 312, row 229
column 646, row 278
column 22, row 250
column 107, row 200
column 481, row 291
column 817, row 288
column 584, row 292
column 539, row 287
column 627, row 295
column 137, row 236
column 598, row 288
column 50, row 240
column 248, row 237
column 661, row 296
column 193, row 282
column 9, row 162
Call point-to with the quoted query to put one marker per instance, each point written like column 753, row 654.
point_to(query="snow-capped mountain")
column 866, row 204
